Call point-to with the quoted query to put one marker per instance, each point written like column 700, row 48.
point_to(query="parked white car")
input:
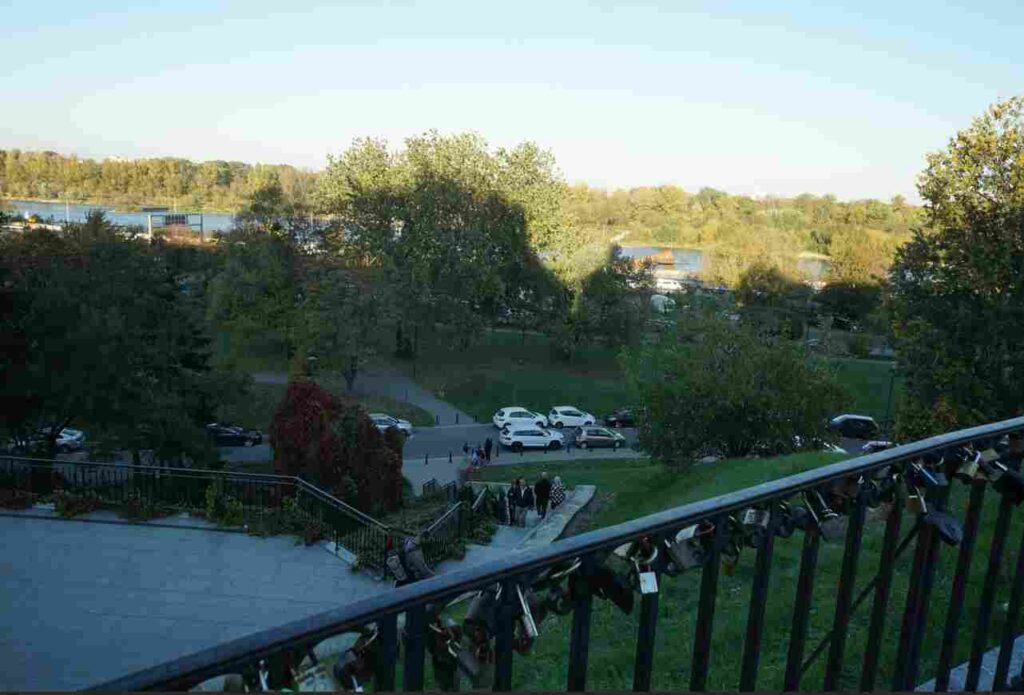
column 385, row 422
column 519, row 438
column 67, row 440
column 515, row 415
column 569, row 416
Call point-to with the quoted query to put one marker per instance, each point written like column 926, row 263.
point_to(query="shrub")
column 332, row 443
column 729, row 392
column 223, row 509
column 69, row 504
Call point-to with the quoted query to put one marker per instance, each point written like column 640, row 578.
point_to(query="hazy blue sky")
column 807, row 97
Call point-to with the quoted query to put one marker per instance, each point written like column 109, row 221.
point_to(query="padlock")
column 831, row 525
column 922, row 476
column 526, row 617
column 968, row 468
column 394, row 563
column 557, row 601
column 606, row 584
column 871, row 492
column 786, row 525
column 685, row 550
column 1010, row 484
column 483, row 610
column 916, row 503
column 730, row 557
column 948, row 527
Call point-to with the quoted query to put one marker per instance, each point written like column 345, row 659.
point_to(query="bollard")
column 437, row 419
column 426, row 459
column 449, row 456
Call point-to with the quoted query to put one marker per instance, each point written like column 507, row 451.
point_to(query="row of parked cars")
column 526, row 429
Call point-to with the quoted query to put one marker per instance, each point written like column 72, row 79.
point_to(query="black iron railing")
column 903, row 501
column 237, row 499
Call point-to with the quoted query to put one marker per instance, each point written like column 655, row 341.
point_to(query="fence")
column 254, row 496
column 819, row 507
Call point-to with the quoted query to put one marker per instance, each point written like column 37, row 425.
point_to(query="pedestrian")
column 542, row 491
column 570, row 440
column 527, row 501
column 515, row 499
column 557, row 492
column 474, row 459
column 488, row 446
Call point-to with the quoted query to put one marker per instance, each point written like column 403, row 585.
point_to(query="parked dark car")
column 623, row 417
column 854, row 426
column 231, row 435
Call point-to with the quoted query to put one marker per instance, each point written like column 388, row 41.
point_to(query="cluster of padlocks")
column 466, row 649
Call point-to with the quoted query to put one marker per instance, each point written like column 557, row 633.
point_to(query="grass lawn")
column 511, row 368
column 629, row 489
column 257, row 407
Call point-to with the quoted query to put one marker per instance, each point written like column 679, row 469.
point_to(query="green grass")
column 868, row 382
column 509, row 368
column 256, row 408
column 631, row 489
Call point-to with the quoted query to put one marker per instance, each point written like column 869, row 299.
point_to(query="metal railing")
column 830, row 504
column 248, row 499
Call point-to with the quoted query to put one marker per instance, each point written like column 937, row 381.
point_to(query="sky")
column 753, row 98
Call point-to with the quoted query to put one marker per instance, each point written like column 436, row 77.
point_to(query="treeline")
column 214, row 185
column 860, row 237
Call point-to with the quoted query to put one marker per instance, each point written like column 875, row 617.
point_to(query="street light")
column 892, row 381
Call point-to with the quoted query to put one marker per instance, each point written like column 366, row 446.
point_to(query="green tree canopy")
column 957, row 288
column 715, row 387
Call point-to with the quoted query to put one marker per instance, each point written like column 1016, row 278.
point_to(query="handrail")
column 299, row 482
column 327, row 497
column 479, row 498
column 229, row 656
column 443, row 518
column 151, row 469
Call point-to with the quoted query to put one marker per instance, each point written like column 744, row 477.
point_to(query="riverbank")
column 117, row 206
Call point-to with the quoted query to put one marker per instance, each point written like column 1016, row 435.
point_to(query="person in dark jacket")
column 527, row 501
column 515, row 501
column 488, row 446
column 542, row 491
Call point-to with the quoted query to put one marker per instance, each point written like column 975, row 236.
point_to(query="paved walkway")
column 86, row 602
column 93, row 599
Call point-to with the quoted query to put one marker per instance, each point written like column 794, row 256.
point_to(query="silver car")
column 385, row 422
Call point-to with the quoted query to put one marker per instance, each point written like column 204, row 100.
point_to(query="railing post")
column 706, row 609
column 988, row 593
column 1010, row 627
column 758, row 598
column 579, row 638
column 844, row 594
column 503, row 639
column 886, row 564
column 644, row 660
column 963, row 569
column 415, row 627
column 802, row 602
column 387, row 626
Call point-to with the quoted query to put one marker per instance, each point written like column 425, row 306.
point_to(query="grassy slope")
column 632, row 489
column 509, row 368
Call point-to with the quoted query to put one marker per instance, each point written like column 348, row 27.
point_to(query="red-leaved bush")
column 332, row 443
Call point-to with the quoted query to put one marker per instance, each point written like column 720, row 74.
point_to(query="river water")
column 212, row 221
column 686, row 260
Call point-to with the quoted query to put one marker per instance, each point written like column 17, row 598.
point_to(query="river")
column 212, row 221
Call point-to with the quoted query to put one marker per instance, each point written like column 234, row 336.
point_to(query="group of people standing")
column 523, row 497
column 479, row 455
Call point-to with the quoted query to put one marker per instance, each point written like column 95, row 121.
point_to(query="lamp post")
column 892, row 381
